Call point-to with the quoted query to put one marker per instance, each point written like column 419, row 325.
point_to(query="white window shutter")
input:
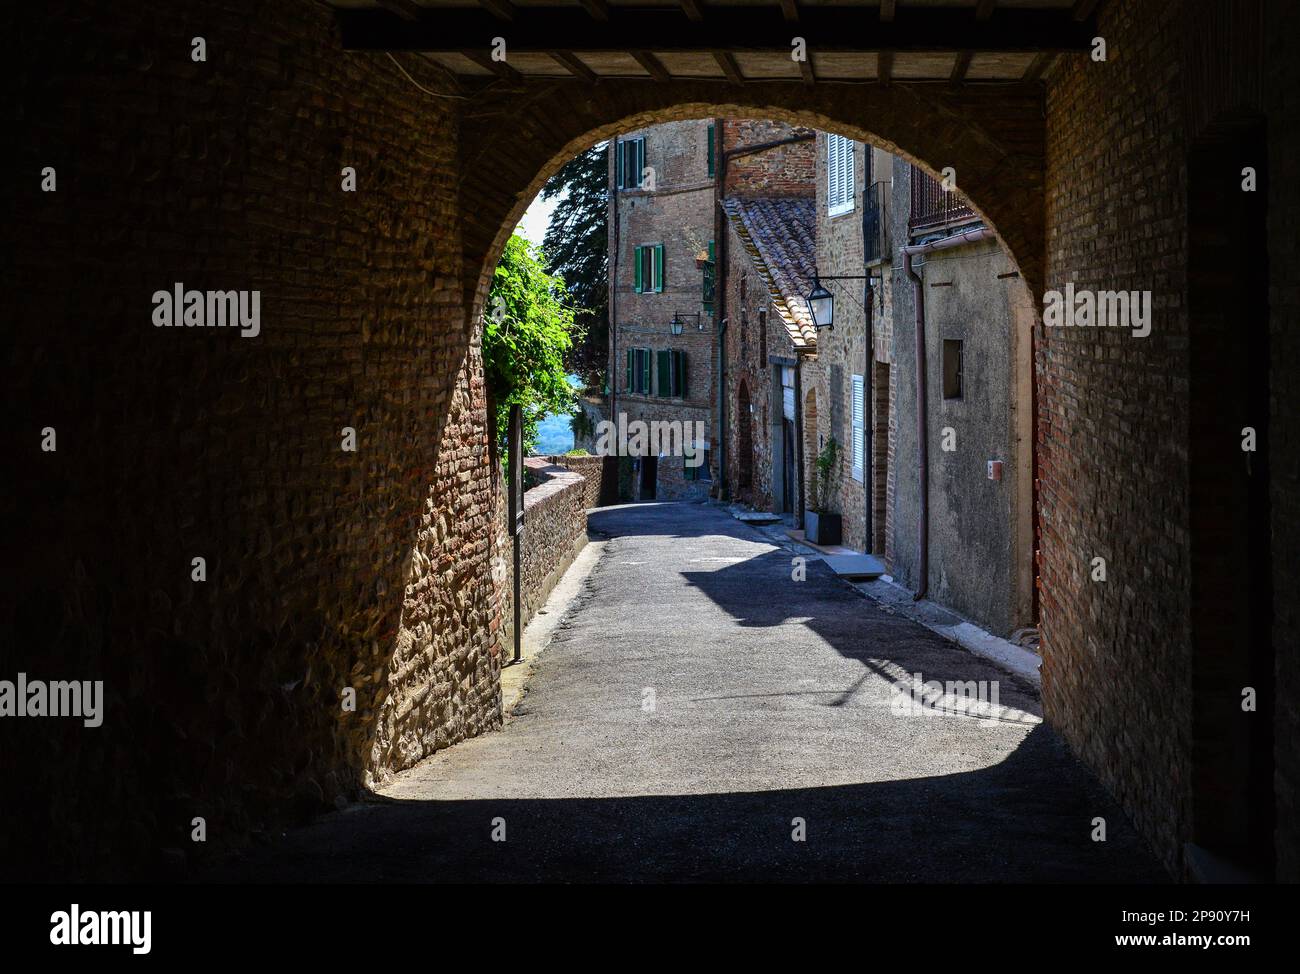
column 859, row 429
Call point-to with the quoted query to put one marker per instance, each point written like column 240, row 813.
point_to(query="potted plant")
column 702, row 259
column 821, row 525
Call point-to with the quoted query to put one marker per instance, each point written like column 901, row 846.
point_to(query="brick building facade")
column 662, row 323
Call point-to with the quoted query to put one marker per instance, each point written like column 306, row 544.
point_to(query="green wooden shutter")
column 636, row 269
column 628, row 385
column 618, row 166
column 710, row 151
column 665, row 367
column 679, row 372
column 640, row 161
column 645, row 371
column 659, row 267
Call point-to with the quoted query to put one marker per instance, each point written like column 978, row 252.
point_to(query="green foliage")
column 528, row 330
column 823, row 479
column 581, row 424
column 579, row 452
column 577, row 246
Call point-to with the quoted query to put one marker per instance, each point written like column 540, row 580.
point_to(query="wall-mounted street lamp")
column 679, row 322
column 821, row 303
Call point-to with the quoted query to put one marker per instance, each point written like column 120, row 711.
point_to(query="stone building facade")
column 978, row 412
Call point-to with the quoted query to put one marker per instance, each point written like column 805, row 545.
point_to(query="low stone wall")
column 601, row 473
column 555, row 530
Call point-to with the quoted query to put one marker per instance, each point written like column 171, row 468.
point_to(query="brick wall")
column 325, row 569
column 678, row 214
column 1113, row 410
column 785, row 170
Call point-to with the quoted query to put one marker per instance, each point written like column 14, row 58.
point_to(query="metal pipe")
column 922, row 418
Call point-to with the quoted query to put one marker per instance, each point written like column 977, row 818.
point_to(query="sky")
column 533, row 226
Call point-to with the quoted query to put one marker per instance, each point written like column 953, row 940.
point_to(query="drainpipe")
column 612, row 371
column 720, row 297
column 922, row 418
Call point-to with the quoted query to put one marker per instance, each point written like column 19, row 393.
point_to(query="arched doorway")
column 744, row 443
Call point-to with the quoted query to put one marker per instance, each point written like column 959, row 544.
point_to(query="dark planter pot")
column 822, row 528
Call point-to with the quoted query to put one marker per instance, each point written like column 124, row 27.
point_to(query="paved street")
column 695, row 702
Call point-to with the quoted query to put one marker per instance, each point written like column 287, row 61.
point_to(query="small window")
column 631, row 163
column 839, row 175
column 952, row 368
column 638, row 371
column 699, row 472
column 648, row 268
column 671, row 368
column 762, row 334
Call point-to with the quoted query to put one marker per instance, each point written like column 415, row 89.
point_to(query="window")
column 762, row 334
column 952, row 368
column 839, row 175
column 672, row 373
column 710, row 151
column 638, row 371
column 859, row 428
column 700, row 472
column 648, row 268
column 631, row 163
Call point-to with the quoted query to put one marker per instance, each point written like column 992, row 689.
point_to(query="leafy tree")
column 527, row 333
column 577, row 246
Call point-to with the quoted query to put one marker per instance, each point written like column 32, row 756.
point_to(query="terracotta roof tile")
column 780, row 235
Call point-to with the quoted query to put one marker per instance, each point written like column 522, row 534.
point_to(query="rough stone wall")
column 600, row 477
column 555, row 531
column 842, row 350
column 749, row 348
column 325, row 569
column 974, row 544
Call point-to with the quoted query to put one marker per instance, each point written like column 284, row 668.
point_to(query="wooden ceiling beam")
column 575, row 66
column 985, row 9
column 406, row 9
column 500, row 9
column 1037, row 66
column 596, row 9
column 653, row 66
column 827, row 29
column 789, row 10
column 499, row 68
column 692, row 10
column 727, row 62
column 885, row 67
column 960, row 68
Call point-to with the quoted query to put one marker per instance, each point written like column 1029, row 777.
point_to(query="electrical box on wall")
column 995, row 470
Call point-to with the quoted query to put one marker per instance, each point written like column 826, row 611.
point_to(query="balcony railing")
column 933, row 206
column 875, row 222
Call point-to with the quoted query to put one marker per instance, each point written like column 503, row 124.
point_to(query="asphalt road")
column 695, row 706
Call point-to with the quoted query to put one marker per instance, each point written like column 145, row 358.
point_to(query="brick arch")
column 993, row 136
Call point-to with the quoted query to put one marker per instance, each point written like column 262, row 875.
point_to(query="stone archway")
column 745, row 443
column 993, row 139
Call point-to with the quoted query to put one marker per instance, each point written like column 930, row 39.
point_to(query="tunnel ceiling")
column 731, row 41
